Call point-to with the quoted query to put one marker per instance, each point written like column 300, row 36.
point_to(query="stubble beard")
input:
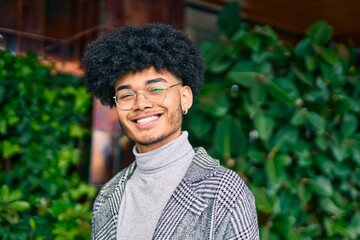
column 174, row 120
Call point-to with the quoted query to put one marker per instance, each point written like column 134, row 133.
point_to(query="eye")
column 125, row 95
column 156, row 89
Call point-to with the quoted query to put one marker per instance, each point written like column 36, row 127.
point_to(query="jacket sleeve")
column 236, row 209
column 243, row 222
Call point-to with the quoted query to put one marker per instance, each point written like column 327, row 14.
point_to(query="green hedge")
column 286, row 119
column 44, row 148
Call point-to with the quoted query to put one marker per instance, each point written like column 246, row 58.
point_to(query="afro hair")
column 132, row 49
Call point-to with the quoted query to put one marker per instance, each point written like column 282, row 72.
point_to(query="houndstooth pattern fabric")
column 211, row 202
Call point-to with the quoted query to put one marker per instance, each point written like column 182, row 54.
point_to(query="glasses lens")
column 125, row 99
column 156, row 94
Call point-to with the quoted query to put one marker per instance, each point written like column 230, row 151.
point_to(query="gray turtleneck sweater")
column 150, row 187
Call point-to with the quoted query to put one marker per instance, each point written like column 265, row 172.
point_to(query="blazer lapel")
column 186, row 204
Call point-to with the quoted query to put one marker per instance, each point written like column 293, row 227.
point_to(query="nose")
column 141, row 101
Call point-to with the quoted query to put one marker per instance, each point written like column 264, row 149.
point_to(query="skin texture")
column 166, row 117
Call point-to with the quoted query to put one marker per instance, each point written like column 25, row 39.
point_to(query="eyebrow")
column 147, row 82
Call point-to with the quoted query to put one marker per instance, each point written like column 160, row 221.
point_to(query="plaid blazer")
column 211, row 202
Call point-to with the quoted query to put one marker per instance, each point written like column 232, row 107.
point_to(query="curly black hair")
column 132, row 49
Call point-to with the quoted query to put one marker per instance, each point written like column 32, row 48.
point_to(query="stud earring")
column 185, row 111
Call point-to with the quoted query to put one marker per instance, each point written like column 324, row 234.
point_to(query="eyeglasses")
column 156, row 93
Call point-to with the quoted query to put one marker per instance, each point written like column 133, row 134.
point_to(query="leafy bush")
column 44, row 132
column 286, row 119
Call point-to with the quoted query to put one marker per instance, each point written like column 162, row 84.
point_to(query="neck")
column 164, row 155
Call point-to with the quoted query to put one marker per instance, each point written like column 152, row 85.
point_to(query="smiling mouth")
column 147, row 119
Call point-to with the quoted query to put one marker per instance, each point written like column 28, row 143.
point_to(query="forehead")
column 145, row 77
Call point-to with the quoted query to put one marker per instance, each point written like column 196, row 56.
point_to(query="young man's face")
column 153, row 124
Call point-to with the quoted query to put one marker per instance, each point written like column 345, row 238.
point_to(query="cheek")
column 176, row 117
column 124, row 128
column 120, row 116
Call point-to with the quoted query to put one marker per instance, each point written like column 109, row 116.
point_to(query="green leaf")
column 286, row 136
column 310, row 231
column 229, row 137
column 303, row 192
column 338, row 151
column 32, row 224
column 50, row 95
column 257, row 93
column 4, row 193
column 265, row 125
column 317, row 121
column 354, row 225
column 213, row 52
column 318, row 96
column 301, row 76
column 253, row 42
column 339, row 226
column 9, row 149
column 199, row 125
column 215, row 103
column 322, row 186
column 324, row 163
column 256, row 156
column 220, row 65
column 321, row 141
column 305, row 159
column 275, row 169
column 19, row 206
column 243, row 66
column 283, row 160
column 342, row 170
column 14, row 196
column 320, row 32
column 278, row 93
column 76, row 131
column 328, row 55
column 303, row 48
column 267, row 31
column 299, row 117
column 246, row 79
column 271, row 173
column 240, row 33
column 330, row 207
column 290, row 207
column 264, row 203
column 3, row 127
column 229, row 18
column 341, row 105
column 354, row 181
column 310, row 62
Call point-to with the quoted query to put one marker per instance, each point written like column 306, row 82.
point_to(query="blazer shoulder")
column 232, row 184
column 228, row 183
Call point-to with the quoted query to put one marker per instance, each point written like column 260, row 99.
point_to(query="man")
column 171, row 190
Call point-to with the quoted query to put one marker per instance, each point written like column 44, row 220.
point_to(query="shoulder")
column 225, row 183
column 230, row 197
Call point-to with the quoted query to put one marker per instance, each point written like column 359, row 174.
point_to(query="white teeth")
column 146, row 120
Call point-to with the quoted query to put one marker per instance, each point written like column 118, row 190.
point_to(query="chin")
column 146, row 141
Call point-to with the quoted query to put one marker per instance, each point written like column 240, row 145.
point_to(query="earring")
column 185, row 111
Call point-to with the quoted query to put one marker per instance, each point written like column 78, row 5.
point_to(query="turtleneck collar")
column 163, row 156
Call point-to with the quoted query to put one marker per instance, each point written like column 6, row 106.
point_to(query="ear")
column 186, row 98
